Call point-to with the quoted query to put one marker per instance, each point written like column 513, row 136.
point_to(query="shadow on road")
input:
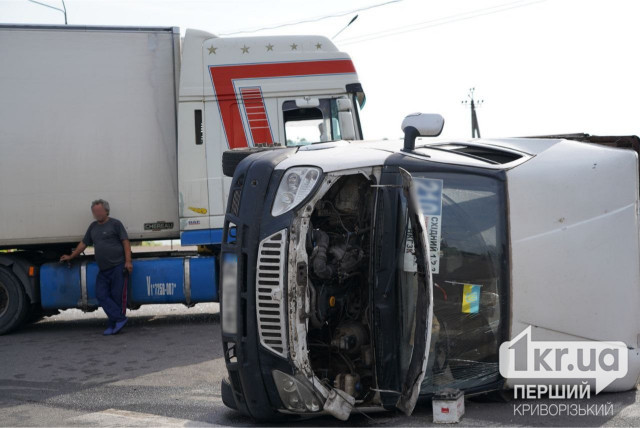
column 66, row 361
column 135, row 320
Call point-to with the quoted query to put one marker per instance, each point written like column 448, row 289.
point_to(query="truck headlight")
column 296, row 184
column 296, row 395
column 229, row 293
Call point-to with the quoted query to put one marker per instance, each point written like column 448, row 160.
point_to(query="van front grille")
column 235, row 202
column 270, row 305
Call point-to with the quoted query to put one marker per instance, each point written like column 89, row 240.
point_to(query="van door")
column 424, row 301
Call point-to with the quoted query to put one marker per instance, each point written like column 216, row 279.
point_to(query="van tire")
column 231, row 158
column 227, row 394
column 13, row 302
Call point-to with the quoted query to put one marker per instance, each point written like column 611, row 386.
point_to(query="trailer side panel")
column 87, row 113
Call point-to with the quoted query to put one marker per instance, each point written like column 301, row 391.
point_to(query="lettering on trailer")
column 160, row 288
column 158, row 225
column 224, row 77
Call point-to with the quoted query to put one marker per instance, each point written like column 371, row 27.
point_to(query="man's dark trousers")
column 111, row 292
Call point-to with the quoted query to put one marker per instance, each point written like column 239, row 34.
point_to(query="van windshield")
column 465, row 217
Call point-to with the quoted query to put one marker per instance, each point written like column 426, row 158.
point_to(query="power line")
column 310, row 20
column 438, row 21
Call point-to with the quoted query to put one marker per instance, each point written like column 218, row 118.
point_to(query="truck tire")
column 13, row 302
column 231, row 158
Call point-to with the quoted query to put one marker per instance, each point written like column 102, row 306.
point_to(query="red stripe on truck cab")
column 224, row 76
column 256, row 116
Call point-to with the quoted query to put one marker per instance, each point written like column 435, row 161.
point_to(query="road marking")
column 126, row 418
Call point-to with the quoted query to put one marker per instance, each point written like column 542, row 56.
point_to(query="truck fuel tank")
column 187, row 280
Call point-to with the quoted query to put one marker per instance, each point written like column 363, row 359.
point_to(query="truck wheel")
column 13, row 302
column 231, row 158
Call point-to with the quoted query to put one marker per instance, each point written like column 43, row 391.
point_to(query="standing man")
column 113, row 255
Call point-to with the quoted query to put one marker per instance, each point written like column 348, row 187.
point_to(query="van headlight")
column 297, row 394
column 296, row 184
column 229, row 293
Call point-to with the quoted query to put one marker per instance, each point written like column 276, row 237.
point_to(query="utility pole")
column 475, row 128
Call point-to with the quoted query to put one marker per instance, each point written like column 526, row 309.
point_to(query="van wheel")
column 13, row 302
column 227, row 394
column 231, row 158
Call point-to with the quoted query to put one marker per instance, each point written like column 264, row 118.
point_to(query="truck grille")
column 270, row 280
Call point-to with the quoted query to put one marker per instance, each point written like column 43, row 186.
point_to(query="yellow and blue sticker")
column 470, row 298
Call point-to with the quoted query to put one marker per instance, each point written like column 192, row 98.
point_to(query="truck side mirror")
column 345, row 117
column 343, row 104
column 420, row 125
column 307, row 102
column 347, row 127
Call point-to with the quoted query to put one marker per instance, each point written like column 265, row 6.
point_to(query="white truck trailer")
column 141, row 118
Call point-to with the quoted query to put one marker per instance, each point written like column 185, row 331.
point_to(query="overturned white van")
column 366, row 274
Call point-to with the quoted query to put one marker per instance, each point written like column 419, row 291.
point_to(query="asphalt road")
column 165, row 370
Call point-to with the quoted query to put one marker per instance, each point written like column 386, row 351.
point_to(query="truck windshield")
column 466, row 235
column 310, row 125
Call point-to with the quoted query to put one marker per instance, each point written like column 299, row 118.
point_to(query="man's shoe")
column 108, row 331
column 119, row 325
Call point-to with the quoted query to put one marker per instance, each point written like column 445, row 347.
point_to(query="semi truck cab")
column 252, row 92
column 367, row 274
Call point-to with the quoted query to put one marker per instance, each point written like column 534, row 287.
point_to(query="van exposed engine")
column 338, row 246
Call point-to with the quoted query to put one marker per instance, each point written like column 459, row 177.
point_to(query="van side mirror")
column 420, row 125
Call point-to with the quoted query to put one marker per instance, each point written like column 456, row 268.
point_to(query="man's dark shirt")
column 107, row 240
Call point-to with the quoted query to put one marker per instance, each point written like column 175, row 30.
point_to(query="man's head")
column 100, row 210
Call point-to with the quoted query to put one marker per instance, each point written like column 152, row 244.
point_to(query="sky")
column 540, row 67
